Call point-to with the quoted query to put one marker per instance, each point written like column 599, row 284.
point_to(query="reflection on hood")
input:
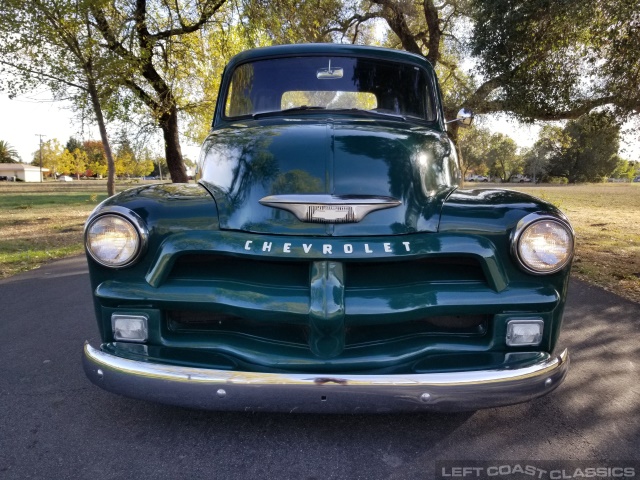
column 241, row 164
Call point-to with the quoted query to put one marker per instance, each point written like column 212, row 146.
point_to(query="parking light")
column 129, row 328
column 524, row 332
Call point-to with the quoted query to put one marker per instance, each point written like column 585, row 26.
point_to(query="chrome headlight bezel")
column 133, row 219
column 529, row 221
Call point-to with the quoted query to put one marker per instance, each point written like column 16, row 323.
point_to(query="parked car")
column 477, row 178
column 65, row 178
column 327, row 259
column 636, row 179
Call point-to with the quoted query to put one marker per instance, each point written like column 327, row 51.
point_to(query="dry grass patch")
column 42, row 224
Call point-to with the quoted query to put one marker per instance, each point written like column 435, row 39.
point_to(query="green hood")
column 245, row 162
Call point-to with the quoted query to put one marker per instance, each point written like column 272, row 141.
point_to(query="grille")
column 425, row 270
column 185, row 321
column 295, row 273
column 451, row 326
column 241, row 270
column 330, row 214
column 221, row 323
column 289, row 283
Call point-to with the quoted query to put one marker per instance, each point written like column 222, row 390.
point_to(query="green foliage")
column 503, row 158
column 307, row 21
column 590, row 154
column 96, row 158
column 50, row 152
column 474, row 148
column 558, row 59
column 536, row 48
column 8, row 154
column 79, row 162
column 537, row 160
column 625, row 170
column 73, row 144
column 151, row 61
column 615, row 32
column 495, row 154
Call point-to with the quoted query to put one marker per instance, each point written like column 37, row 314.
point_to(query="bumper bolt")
column 221, row 393
column 425, row 397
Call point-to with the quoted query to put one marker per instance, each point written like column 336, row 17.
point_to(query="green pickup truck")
column 327, row 259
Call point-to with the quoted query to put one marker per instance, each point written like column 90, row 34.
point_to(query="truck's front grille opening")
column 295, row 273
column 451, row 326
column 216, row 323
column 184, row 322
column 241, row 269
column 425, row 270
column 201, row 319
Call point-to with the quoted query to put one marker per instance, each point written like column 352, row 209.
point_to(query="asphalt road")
column 54, row 424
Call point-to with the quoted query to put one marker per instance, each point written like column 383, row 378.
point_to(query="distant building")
column 20, row 171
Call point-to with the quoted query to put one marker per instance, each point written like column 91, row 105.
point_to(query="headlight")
column 542, row 244
column 114, row 240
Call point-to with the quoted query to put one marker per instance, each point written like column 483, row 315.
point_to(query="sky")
column 24, row 118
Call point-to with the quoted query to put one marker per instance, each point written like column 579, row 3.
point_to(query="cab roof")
column 330, row 49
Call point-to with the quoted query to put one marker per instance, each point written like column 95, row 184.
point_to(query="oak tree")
column 148, row 37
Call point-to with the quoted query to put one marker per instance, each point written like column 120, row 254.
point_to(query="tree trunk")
column 173, row 152
column 111, row 169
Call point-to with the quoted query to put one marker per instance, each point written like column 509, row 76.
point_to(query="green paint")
column 426, row 286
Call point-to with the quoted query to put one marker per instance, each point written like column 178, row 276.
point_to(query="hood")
column 413, row 167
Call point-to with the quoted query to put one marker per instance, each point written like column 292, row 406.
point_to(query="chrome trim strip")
column 235, row 390
column 524, row 223
column 329, row 208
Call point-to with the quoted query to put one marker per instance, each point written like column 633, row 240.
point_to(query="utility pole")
column 40, row 135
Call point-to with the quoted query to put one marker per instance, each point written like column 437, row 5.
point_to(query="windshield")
column 303, row 84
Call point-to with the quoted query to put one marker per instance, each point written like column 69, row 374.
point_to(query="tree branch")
column 397, row 22
column 208, row 10
column 433, row 24
column 36, row 72
column 103, row 26
column 148, row 100
column 344, row 26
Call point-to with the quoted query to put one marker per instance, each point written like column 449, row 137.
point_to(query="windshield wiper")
column 301, row 108
column 305, row 108
column 373, row 113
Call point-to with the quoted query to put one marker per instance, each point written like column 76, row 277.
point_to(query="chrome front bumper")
column 282, row 392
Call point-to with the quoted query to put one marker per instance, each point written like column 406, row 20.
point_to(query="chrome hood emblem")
column 329, row 208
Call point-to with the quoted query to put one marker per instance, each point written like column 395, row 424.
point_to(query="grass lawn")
column 41, row 222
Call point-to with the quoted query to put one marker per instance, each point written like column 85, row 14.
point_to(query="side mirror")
column 464, row 118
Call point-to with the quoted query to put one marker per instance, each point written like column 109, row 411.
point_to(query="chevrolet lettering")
column 327, row 257
column 328, row 248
